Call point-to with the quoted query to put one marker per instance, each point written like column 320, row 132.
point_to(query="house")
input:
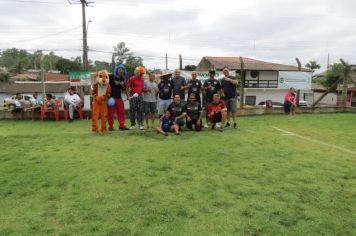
column 264, row 80
column 7, row 89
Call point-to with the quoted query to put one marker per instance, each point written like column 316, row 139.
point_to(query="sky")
column 271, row 30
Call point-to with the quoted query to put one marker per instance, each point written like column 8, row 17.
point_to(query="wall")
column 276, row 95
column 330, row 99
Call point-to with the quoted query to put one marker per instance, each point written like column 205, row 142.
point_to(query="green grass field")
column 60, row 179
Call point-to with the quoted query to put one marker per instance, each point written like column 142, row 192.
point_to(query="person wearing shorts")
column 167, row 124
column 193, row 113
column 150, row 92
column 217, row 112
column 289, row 102
column 165, row 90
column 229, row 86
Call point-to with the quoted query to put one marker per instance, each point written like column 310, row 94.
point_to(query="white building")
column 264, row 80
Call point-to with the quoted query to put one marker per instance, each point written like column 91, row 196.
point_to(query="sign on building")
column 79, row 77
column 296, row 79
column 204, row 75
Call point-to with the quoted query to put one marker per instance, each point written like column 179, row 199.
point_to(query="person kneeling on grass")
column 167, row 124
column 194, row 113
column 177, row 110
column 217, row 112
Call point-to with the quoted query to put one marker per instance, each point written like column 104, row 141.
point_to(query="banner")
column 204, row 75
column 296, row 79
column 79, row 77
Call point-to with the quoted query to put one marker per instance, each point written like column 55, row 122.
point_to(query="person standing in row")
column 150, row 92
column 165, row 89
column 117, row 84
column 211, row 86
column 134, row 93
column 179, row 85
column 229, row 86
column 194, row 87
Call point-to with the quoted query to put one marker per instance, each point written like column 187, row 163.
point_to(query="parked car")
column 274, row 104
column 303, row 103
column 27, row 99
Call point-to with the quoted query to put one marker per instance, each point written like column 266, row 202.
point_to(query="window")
column 250, row 100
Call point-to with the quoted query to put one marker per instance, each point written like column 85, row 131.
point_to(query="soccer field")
column 276, row 175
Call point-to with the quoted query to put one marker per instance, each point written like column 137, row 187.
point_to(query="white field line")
column 314, row 140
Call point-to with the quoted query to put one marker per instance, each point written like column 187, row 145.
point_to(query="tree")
column 122, row 53
column 15, row 60
column 312, row 65
column 190, row 67
column 332, row 75
column 131, row 63
column 65, row 65
column 102, row 65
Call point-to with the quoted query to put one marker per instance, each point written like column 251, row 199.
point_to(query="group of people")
column 216, row 98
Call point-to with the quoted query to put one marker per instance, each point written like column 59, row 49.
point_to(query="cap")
column 211, row 71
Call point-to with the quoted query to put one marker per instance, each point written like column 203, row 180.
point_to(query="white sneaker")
column 132, row 127
column 206, row 126
column 218, row 125
column 142, row 127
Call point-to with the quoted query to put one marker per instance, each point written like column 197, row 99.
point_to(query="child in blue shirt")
column 167, row 124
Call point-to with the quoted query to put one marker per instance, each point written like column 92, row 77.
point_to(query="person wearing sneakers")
column 134, row 92
column 177, row 110
column 229, row 86
column 150, row 92
column 117, row 84
column 194, row 113
column 167, row 124
column 210, row 87
column 217, row 112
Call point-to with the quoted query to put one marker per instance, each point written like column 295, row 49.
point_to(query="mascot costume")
column 101, row 92
column 115, row 103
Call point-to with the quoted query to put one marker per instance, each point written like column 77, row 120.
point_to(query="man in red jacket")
column 134, row 93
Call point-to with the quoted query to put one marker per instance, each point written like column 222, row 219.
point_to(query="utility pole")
column 166, row 61
column 180, row 62
column 85, row 4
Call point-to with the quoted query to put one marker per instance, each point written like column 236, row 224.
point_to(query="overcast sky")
column 271, row 30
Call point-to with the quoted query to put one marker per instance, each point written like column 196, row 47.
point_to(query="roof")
column 25, row 76
column 12, row 88
column 56, row 77
column 250, row 64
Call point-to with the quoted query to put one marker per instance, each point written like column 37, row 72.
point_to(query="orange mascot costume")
column 101, row 93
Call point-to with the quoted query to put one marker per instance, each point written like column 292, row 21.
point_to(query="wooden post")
column 326, row 92
column 43, row 79
column 345, row 83
column 166, row 61
column 298, row 90
column 242, row 83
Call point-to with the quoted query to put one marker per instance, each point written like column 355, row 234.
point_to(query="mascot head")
column 102, row 77
column 121, row 72
column 139, row 71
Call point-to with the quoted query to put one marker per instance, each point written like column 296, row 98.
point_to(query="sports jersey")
column 193, row 110
column 176, row 109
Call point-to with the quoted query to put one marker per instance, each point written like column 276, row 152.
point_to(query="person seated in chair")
column 49, row 102
column 18, row 111
column 72, row 101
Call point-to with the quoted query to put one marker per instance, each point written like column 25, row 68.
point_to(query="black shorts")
column 217, row 117
column 287, row 106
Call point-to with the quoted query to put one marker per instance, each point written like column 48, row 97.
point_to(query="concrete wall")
column 240, row 112
column 276, row 95
column 330, row 99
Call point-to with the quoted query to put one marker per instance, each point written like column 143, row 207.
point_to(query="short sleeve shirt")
column 165, row 88
column 178, row 82
column 213, row 107
column 150, row 96
column 215, row 88
column 229, row 88
column 193, row 110
column 176, row 109
column 194, row 88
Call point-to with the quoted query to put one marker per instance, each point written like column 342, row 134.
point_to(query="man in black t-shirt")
column 193, row 113
column 177, row 110
column 229, row 86
column 165, row 88
column 194, row 87
column 210, row 87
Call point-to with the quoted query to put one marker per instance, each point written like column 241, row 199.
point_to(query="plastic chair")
column 79, row 109
column 45, row 111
